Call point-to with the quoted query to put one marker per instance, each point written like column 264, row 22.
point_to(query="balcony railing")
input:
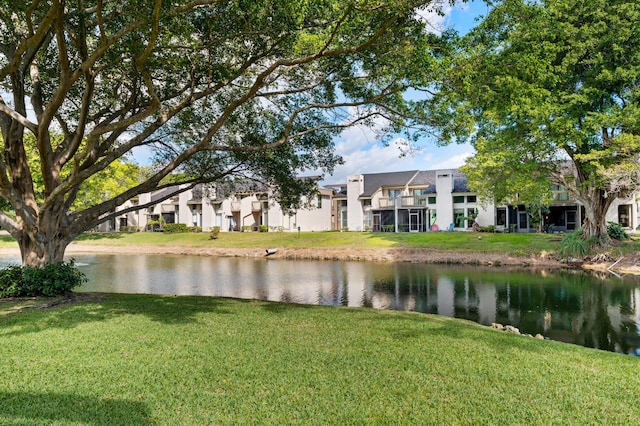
column 413, row 201
column 405, row 201
column 235, row 206
column 386, row 202
column 256, row 206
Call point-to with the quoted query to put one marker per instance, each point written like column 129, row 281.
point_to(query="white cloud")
column 452, row 162
column 435, row 15
column 377, row 158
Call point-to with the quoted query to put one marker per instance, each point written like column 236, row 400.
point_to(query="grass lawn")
column 464, row 242
column 453, row 241
column 141, row 359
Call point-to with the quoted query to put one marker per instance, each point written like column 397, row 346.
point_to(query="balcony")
column 405, row 201
column 235, row 206
column 256, row 206
column 413, row 201
column 384, row 203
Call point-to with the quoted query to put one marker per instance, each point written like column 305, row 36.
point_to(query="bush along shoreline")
column 48, row 281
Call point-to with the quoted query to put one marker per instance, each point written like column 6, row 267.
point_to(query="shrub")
column 51, row 280
column 129, row 228
column 195, row 229
column 175, row 228
column 573, row 245
column 264, row 228
column 616, row 232
column 215, row 231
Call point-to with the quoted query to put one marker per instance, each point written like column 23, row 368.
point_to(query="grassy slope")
column 187, row 360
column 466, row 242
column 453, row 241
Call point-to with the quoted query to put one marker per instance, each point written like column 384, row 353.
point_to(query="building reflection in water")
column 569, row 306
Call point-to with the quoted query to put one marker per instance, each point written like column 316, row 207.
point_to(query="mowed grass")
column 522, row 244
column 154, row 360
column 519, row 244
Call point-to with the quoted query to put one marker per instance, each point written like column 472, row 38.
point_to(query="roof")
column 460, row 183
column 163, row 193
column 373, row 182
column 425, row 178
column 428, row 177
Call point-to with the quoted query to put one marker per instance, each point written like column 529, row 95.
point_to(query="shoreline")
column 399, row 255
column 412, row 255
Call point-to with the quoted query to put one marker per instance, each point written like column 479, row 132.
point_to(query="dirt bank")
column 417, row 255
column 629, row 264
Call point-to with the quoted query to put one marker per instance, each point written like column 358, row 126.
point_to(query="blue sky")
column 363, row 153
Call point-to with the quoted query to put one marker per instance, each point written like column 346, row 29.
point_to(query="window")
column 458, row 218
column 471, row 198
column 319, row 201
column 366, row 202
column 393, row 193
column 343, row 220
column 432, row 200
column 368, row 220
column 559, row 193
column 458, row 199
column 501, row 216
column 624, row 215
column 432, row 217
column 472, row 213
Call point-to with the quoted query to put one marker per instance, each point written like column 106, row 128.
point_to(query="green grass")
column 141, row 359
column 466, row 242
column 453, row 241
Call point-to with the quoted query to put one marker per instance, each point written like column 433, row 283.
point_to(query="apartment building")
column 406, row 201
column 245, row 207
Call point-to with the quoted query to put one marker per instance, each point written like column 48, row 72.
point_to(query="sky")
column 363, row 153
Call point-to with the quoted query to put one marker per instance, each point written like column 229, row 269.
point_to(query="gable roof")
column 428, row 177
column 375, row 181
column 425, row 178
column 460, row 183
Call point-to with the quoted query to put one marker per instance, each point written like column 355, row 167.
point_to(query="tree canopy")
column 548, row 92
column 214, row 89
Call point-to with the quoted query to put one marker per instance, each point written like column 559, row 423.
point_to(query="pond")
column 571, row 306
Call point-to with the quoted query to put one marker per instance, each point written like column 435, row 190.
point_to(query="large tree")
column 213, row 88
column 548, row 92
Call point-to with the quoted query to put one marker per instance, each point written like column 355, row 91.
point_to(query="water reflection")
column 570, row 306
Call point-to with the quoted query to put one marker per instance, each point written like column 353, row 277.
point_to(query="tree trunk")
column 44, row 241
column 596, row 203
column 38, row 249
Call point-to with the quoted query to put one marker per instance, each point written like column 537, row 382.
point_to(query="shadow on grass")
column 93, row 307
column 48, row 408
column 96, row 236
column 284, row 306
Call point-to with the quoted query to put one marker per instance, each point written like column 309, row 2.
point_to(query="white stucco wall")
column 444, row 201
column 355, row 215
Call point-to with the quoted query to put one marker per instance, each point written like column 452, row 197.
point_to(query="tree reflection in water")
column 570, row 306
